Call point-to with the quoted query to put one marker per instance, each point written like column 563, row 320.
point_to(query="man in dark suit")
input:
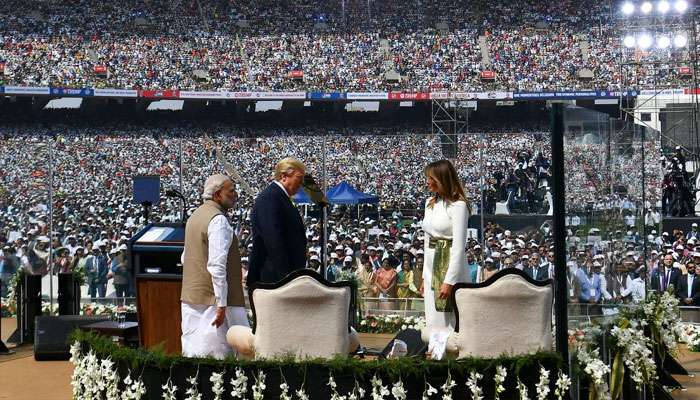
column 279, row 238
column 689, row 297
column 535, row 270
column 665, row 275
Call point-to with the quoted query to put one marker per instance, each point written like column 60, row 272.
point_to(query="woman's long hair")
column 449, row 187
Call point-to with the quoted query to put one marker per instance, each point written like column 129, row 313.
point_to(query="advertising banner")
column 115, row 93
column 84, row 92
column 368, row 96
column 186, row 94
column 26, row 90
column 439, row 95
column 481, row 95
column 326, row 96
column 401, row 96
column 159, row 94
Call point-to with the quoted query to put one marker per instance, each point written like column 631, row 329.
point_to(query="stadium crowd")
column 250, row 46
column 92, row 169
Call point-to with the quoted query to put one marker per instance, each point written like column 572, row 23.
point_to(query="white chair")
column 510, row 313
column 303, row 315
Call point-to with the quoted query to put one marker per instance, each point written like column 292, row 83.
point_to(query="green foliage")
column 526, row 366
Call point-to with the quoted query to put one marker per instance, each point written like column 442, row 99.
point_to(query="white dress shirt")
column 691, row 278
column 637, row 289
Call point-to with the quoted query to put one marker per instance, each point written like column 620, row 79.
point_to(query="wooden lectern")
column 154, row 254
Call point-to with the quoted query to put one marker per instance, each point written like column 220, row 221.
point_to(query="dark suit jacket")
column 279, row 238
column 673, row 279
column 540, row 274
column 682, row 290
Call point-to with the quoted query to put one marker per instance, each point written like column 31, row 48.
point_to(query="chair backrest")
column 509, row 313
column 303, row 315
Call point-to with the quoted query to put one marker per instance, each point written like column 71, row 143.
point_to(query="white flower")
column 498, row 379
column 193, row 391
column 301, row 394
column 217, row 380
column 259, row 386
column 637, row 354
column 522, row 390
column 284, row 394
column 239, row 384
column 133, row 390
column 428, row 391
column 563, row 384
column 543, row 385
column 334, row 389
column 447, row 387
column 398, row 391
column 169, row 390
column 378, row 391
column 473, row 385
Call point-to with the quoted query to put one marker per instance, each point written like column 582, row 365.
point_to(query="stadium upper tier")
column 313, row 45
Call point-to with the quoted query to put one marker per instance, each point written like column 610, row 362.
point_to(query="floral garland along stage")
column 636, row 334
column 106, row 370
column 390, row 323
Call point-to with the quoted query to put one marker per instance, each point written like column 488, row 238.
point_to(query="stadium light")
column 629, row 41
column 627, row 8
column 646, row 7
column 663, row 6
column 681, row 6
column 644, row 41
column 680, row 41
column 663, row 42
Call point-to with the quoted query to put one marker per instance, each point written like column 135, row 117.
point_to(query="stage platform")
column 514, row 222
column 23, row 378
column 670, row 223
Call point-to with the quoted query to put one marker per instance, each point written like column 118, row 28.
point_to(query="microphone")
column 314, row 191
column 176, row 193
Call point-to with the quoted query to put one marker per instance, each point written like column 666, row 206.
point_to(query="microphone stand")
column 183, row 209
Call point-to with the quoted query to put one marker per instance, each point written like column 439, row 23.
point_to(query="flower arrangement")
column 690, row 334
column 91, row 356
column 391, row 323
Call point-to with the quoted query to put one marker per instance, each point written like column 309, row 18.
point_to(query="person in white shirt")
column 637, row 287
column 445, row 225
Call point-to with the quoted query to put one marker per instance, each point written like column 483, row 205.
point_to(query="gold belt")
column 435, row 243
column 441, row 261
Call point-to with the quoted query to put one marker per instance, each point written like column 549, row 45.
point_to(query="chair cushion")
column 303, row 318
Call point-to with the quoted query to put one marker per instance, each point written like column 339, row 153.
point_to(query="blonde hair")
column 445, row 176
column 286, row 166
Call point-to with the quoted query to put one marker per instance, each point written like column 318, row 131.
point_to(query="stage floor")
column 25, row 379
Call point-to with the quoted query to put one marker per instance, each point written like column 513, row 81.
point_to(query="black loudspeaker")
column 68, row 295
column 52, row 334
column 414, row 344
column 29, row 300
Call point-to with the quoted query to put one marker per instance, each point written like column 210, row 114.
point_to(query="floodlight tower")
column 657, row 55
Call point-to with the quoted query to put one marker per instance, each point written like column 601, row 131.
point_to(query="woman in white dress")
column 445, row 226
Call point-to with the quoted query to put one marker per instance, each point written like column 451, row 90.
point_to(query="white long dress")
column 444, row 221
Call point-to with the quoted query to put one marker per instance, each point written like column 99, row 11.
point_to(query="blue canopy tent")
column 301, row 197
column 343, row 193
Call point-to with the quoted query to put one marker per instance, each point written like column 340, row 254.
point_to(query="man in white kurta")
column 212, row 295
